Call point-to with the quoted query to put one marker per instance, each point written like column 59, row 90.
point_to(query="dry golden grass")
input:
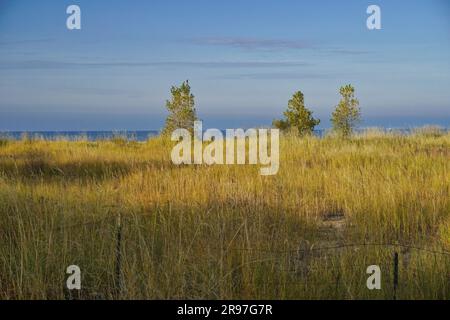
column 225, row 231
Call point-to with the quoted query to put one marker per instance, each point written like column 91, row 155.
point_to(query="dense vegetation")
column 226, row 231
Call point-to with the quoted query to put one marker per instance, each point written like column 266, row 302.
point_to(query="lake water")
column 142, row 135
column 92, row 135
column 75, row 135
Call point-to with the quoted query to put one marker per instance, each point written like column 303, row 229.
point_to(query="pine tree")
column 297, row 116
column 347, row 113
column 181, row 107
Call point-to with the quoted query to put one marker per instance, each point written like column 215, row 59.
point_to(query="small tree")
column 347, row 113
column 181, row 107
column 297, row 116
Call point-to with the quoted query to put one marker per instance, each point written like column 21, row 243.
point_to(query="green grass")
column 226, row 232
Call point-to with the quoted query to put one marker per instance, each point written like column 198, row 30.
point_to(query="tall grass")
column 225, row 231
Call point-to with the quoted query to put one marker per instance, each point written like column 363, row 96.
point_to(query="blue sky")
column 244, row 60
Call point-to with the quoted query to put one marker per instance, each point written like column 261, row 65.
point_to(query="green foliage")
column 347, row 113
column 181, row 107
column 297, row 116
column 280, row 124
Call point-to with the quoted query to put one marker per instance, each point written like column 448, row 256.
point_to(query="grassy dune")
column 225, row 231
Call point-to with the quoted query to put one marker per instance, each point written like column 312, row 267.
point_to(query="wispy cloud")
column 24, row 41
column 48, row 64
column 233, row 64
column 274, row 76
column 272, row 44
column 252, row 43
column 346, row 51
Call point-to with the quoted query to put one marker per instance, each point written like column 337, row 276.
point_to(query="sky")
column 243, row 59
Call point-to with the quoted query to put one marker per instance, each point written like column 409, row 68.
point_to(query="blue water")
column 76, row 135
column 142, row 135
column 92, row 135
